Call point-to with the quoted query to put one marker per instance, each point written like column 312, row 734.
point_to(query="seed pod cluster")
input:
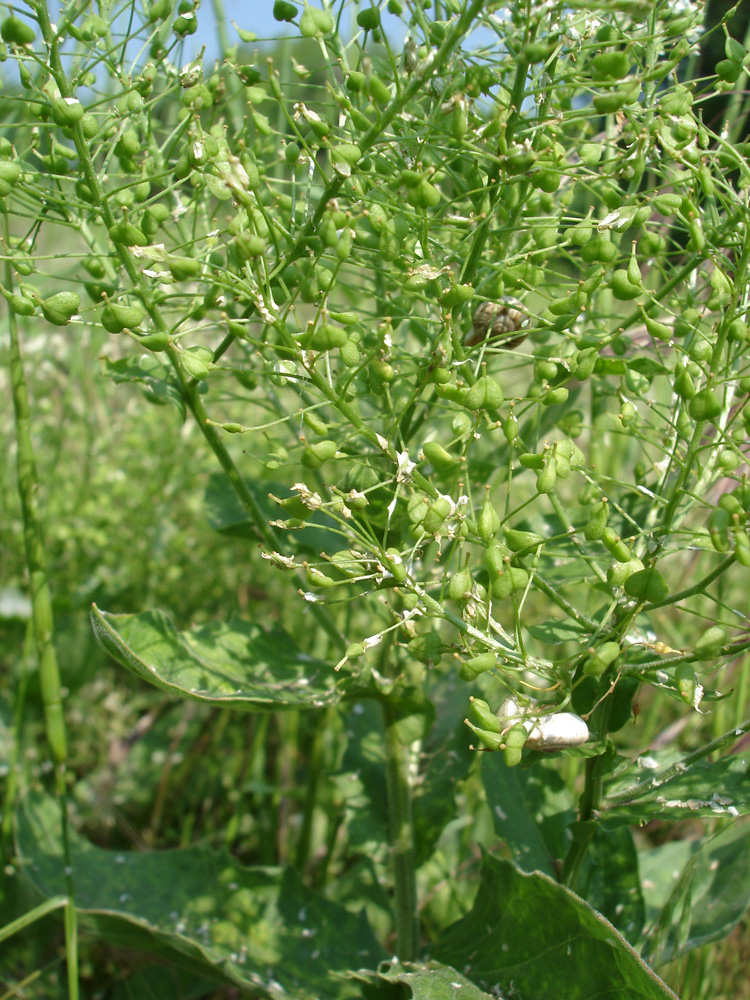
column 498, row 320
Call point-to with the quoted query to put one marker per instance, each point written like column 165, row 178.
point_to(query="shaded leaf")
column 447, row 764
column 530, row 935
column 429, row 981
column 236, row 664
column 695, row 891
column 612, row 880
column 256, row 927
column 531, row 810
column 717, row 788
column 158, row 381
column 558, row 630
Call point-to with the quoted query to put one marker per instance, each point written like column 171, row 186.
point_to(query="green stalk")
column 42, row 618
column 400, row 820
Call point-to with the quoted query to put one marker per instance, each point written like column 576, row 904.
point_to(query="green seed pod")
column 553, row 397
column 513, row 578
column 437, row 511
column 485, row 394
column 66, row 111
column 197, row 362
column 184, row 268
column 510, row 428
column 547, row 477
column 612, row 64
column 58, row 309
column 518, row 540
column 580, row 234
column 21, row 304
column 326, row 337
column 531, row 460
column 284, row 11
column 480, row 710
column 424, row 195
column 438, row 457
column 627, row 413
column 705, row 405
column 608, row 104
column 600, row 249
column 490, row 740
column 496, row 558
column 601, row 658
column 128, row 235
column 460, row 584
column 488, row 522
column 667, row 204
column 719, row 522
column 314, row 455
column 614, row 544
column 737, row 331
column 622, row 287
column 597, row 521
column 14, row 31
column 471, row 669
column 426, row 648
column 618, row 572
column 659, row 331
column 369, row 19
column 633, row 271
column 721, row 285
column 711, row 643
column 741, row 545
column 729, row 70
column 536, row 52
column 155, row 341
column 10, row 171
column 116, row 318
column 647, row 585
column 685, row 679
column 379, row 91
column 706, row 180
column 584, row 363
column 515, row 739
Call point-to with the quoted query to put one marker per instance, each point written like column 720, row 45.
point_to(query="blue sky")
column 256, row 16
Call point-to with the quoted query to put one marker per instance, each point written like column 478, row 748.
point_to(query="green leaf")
column 259, row 928
column 159, row 384
column 428, row 981
column 680, row 791
column 531, row 810
column 613, row 885
column 435, row 795
column 558, row 630
column 235, row 664
column 528, row 936
column 695, row 891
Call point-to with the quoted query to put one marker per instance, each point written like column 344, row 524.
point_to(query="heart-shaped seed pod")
column 498, row 320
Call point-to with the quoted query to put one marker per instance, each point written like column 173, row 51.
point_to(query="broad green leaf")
column 611, row 880
column 159, row 384
column 253, row 927
column 528, row 936
column 235, row 664
column 435, row 795
column 558, row 630
column 428, row 981
column 225, row 514
column 695, row 891
column 531, row 810
column 680, row 791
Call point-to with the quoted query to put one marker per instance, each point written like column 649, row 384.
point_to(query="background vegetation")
column 308, row 491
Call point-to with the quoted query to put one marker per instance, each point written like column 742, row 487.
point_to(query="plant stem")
column 400, row 820
column 588, row 805
column 42, row 618
column 401, row 836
